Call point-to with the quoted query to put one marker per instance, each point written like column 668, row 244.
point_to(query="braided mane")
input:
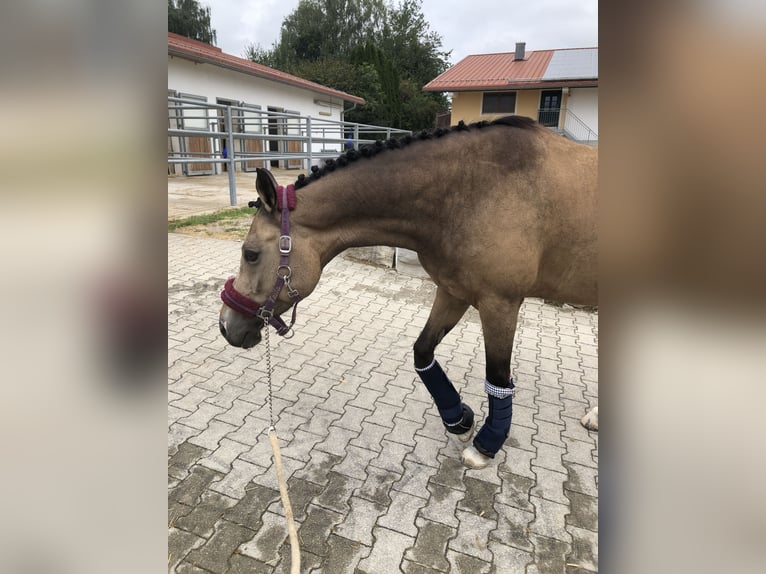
column 370, row 150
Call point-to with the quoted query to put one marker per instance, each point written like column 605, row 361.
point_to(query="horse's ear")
column 266, row 186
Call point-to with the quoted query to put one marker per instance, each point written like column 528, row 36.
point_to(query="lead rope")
column 295, row 551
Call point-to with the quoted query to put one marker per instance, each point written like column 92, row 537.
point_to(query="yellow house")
column 558, row 88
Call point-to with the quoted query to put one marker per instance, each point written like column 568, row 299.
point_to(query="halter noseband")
column 286, row 201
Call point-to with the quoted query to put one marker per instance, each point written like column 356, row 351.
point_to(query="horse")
column 496, row 211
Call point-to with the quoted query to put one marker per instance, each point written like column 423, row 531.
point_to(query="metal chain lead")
column 268, row 378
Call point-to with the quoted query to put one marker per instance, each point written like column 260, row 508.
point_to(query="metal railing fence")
column 204, row 137
column 572, row 125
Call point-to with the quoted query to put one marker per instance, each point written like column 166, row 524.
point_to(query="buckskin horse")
column 496, row 212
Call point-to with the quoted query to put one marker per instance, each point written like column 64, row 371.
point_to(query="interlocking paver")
column 479, row 497
column 431, row 545
column 180, row 543
column 473, row 536
column 240, row 475
column 210, row 438
column 184, row 458
column 387, row 552
column 177, row 435
column 513, row 527
column 200, row 419
column 359, row 522
column 205, row 514
column 215, row 554
column 547, row 455
column 236, row 411
column 264, row 545
column 550, row 485
column 241, row 564
column 583, row 511
column 375, row 482
column 550, row 519
column 451, row 473
column 402, row 513
column 189, row 490
column 509, row 560
column 521, row 437
column 315, row 529
column 343, row 555
column 248, row 511
column 224, row 455
column 584, row 549
column 391, row 456
column 426, row 450
column 337, row 493
column 514, row 491
column 318, row 467
column 442, row 504
column 579, row 452
column 549, row 555
column 583, row 479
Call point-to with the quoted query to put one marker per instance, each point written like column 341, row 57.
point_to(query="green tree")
column 188, row 18
column 353, row 78
column 335, row 41
column 261, row 55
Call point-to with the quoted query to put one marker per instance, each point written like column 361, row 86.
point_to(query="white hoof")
column 466, row 436
column 590, row 421
column 472, row 458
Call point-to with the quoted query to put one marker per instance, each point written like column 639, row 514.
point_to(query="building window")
column 498, row 103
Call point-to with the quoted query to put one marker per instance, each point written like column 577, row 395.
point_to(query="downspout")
column 348, row 110
column 343, row 119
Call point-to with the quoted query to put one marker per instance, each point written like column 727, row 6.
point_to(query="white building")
column 203, row 73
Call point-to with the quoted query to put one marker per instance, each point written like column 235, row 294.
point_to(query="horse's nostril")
column 222, row 327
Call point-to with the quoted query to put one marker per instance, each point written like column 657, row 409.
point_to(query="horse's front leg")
column 498, row 322
column 445, row 313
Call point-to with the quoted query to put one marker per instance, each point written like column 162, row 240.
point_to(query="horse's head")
column 273, row 271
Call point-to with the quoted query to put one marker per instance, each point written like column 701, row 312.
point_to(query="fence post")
column 356, row 136
column 230, row 157
column 310, row 144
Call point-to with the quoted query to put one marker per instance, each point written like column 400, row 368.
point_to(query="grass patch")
column 208, row 218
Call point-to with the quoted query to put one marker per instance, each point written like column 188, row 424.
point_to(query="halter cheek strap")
column 286, row 202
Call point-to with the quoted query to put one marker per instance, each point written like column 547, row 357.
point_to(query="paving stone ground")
column 376, row 485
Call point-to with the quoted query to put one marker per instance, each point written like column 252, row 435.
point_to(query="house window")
column 498, row 103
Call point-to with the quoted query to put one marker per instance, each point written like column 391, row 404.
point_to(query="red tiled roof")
column 201, row 52
column 500, row 71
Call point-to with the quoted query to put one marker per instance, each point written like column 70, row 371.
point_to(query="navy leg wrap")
column 444, row 394
column 493, row 433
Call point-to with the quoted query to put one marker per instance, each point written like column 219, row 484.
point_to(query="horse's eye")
column 250, row 255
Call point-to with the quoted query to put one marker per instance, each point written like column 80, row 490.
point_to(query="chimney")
column 519, row 51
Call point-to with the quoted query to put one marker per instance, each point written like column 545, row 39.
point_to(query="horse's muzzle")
column 239, row 331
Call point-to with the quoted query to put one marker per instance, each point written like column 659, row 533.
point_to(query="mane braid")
column 370, row 150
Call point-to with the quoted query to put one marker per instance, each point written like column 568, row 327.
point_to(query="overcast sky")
column 466, row 26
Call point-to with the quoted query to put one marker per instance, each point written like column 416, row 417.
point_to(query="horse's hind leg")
column 498, row 321
column 445, row 313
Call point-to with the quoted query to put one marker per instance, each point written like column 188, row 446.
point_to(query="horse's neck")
column 344, row 210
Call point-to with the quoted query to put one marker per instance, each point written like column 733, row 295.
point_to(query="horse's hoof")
column 467, row 423
column 472, row 458
column 466, row 436
column 590, row 421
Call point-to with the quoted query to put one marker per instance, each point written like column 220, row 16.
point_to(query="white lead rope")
column 295, row 551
